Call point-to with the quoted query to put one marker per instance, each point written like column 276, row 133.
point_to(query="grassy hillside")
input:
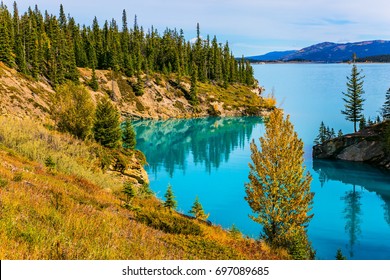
column 56, row 200
column 75, row 211
column 154, row 96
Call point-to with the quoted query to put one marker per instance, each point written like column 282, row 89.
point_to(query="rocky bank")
column 367, row 145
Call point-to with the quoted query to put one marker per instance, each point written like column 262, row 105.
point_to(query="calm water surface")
column 209, row 158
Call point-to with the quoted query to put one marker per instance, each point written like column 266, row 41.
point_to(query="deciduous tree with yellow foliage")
column 279, row 188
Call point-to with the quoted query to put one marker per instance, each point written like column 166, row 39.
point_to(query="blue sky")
column 251, row 27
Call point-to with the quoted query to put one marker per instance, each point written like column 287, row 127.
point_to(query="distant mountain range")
column 329, row 52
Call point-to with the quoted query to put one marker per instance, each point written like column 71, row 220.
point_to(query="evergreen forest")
column 45, row 45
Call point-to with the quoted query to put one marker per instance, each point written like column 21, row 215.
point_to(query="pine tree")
column 62, row 18
column 106, row 128
column 386, row 106
column 197, row 210
column 362, row 123
column 94, row 82
column 6, row 40
column 194, row 80
column 20, row 56
column 340, row 133
column 279, row 187
column 249, row 79
column 332, row 134
column 322, row 134
column 353, row 98
column 170, row 201
column 54, row 46
column 128, row 135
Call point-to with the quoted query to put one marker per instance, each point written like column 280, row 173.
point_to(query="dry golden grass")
column 68, row 214
column 71, row 156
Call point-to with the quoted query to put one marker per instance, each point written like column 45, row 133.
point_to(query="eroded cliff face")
column 155, row 96
column 366, row 145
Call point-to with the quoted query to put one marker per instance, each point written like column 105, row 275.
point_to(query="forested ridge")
column 44, row 45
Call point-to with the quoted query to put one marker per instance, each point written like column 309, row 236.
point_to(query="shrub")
column 3, row 183
column 120, row 164
column 18, row 177
column 169, row 223
column 299, row 247
column 138, row 87
column 339, row 255
column 140, row 156
column 50, row 164
column 129, row 191
column 235, row 232
column 73, row 110
column 145, row 191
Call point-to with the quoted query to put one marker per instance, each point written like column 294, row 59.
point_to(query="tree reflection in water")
column 352, row 213
column 356, row 174
column 209, row 141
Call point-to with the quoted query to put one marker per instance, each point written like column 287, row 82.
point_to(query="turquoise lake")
column 209, row 158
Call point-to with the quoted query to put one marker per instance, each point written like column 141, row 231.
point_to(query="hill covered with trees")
column 145, row 73
column 41, row 44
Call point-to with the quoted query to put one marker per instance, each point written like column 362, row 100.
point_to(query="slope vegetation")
column 63, row 212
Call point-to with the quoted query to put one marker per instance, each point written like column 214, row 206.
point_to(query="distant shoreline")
column 313, row 62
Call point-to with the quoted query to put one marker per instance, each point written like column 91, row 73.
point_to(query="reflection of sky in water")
column 201, row 159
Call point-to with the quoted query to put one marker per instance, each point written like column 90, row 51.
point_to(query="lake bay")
column 209, row 158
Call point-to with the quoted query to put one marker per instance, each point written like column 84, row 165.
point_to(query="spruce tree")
column 62, row 18
column 128, row 135
column 362, row 123
column 20, row 58
column 322, row 134
column 54, row 46
column 353, row 97
column 194, row 89
column 332, row 134
column 94, row 82
column 197, row 210
column 386, row 106
column 279, row 188
column 170, row 201
column 6, row 40
column 106, row 129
